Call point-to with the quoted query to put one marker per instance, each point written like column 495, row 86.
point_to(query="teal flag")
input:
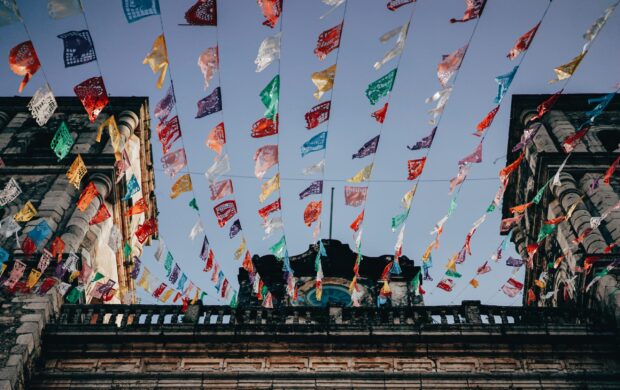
column 452, row 205
column 270, row 96
column 132, row 187
column 168, row 264
column 318, row 142
column 193, row 204
column 379, row 88
column 453, row 274
column 504, row 82
column 399, row 219
column 279, row 248
column 545, row 230
column 74, row 295
column 62, row 142
column 540, row 193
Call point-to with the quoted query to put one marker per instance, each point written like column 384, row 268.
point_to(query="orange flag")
column 87, row 196
column 138, row 208
column 312, row 212
column 520, row 208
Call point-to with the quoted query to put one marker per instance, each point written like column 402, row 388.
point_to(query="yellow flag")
column 76, row 171
column 474, row 283
column 565, row 71
column 183, row 184
column 33, row 278
column 427, row 253
column 362, row 175
column 115, row 135
column 195, row 296
column 241, row 250
column 164, row 298
column 324, row 81
column 26, row 213
column 268, row 187
column 74, row 275
column 408, row 197
column 540, row 283
column 144, row 280
column 157, row 59
column 2, row 268
column 452, row 263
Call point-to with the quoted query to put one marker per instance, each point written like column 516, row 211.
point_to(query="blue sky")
column 121, row 48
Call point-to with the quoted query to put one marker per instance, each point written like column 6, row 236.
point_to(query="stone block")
column 40, row 307
column 10, row 374
column 34, row 318
column 5, row 385
column 14, row 360
column 26, row 339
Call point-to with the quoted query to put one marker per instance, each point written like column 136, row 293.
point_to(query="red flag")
column 247, row 263
column 446, row 284
column 393, row 5
column 225, row 211
column 508, row 223
column 146, row 229
column 270, row 208
column 224, row 287
column 358, row 221
column 328, row 41
column 545, row 106
column 159, row 290
column 271, row 10
column 582, row 236
column 23, row 61
column 511, row 167
column 169, row 132
column 483, row 269
column 312, row 212
column 57, row 247
column 379, row 115
column 265, row 127
column 93, row 95
column 355, row 196
column 569, row 142
column 531, row 297
column 515, row 283
column 610, row 171
column 203, row 13
column 555, row 221
column 486, row 122
column 90, row 191
column 415, row 168
column 473, row 11
column 216, row 138
column 318, row 114
column 523, row 43
column 209, row 263
column 221, row 189
column 101, row 215
column 28, row 246
column 138, row 208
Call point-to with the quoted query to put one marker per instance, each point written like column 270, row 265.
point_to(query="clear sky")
column 121, row 48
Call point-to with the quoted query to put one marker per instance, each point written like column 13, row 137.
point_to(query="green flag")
column 98, row 276
column 127, row 250
column 62, row 142
column 74, row 295
column 452, row 206
column 233, row 300
column 545, row 230
column 279, row 248
column 540, row 193
column 399, row 219
column 168, row 264
column 379, row 88
column 193, row 204
column 453, row 274
column 270, row 96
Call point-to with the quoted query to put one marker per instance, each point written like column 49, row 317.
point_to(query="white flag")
column 196, row 230
column 314, row 169
column 59, row 9
column 271, row 226
column 593, row 31
column 332, row 3
column 441, row 97
column 268, row 52
column 398, row 47
column 219, row 167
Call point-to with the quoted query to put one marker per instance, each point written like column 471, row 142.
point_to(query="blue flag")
column 602, row 101
column 318, row 142
column 210, row 104
column 315, row 188
column 40, row 232
column 4, row 256
column 368, row 148
column 182, row 280
column 504, row 82
column 132, row 188
column 322, row 251
column 138, row 9
column 79, row 48
column 235, row 228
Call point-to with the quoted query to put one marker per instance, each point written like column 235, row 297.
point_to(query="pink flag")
column 512, row 287
column 216, row 138
column 265, row 157
column 460, row 177
column 449, row 65
column 473, row 158
column 483, row 269
column 221, row 189
column 208, row 62
column 355, row 196
column 523, row 43
column 473, row 10
column 173, row 162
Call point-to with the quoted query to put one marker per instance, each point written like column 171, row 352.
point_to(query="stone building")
column 337, row 267
column 566, row 262
column 28, row 159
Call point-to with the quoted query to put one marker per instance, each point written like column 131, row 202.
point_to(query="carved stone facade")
column 337, row 268
column 562, row 255
column 28, row 159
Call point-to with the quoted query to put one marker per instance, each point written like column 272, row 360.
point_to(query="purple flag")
column 512, row 262
column 235, row 228
column 209, row 105
column 313, row 189
column 473, row 158
column 136, row 267
column 527, row 136
column 425, row 142
column 204, row 252
column 369, row 148
column 175, row 273
column 164, row 106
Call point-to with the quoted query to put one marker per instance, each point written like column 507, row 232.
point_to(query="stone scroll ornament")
column 42, row 105
column 79, row 48
column 10, row 192
column 137, row 9
column 272, row 10
column 202, row 13
column 23, row 61
column 93, row 95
